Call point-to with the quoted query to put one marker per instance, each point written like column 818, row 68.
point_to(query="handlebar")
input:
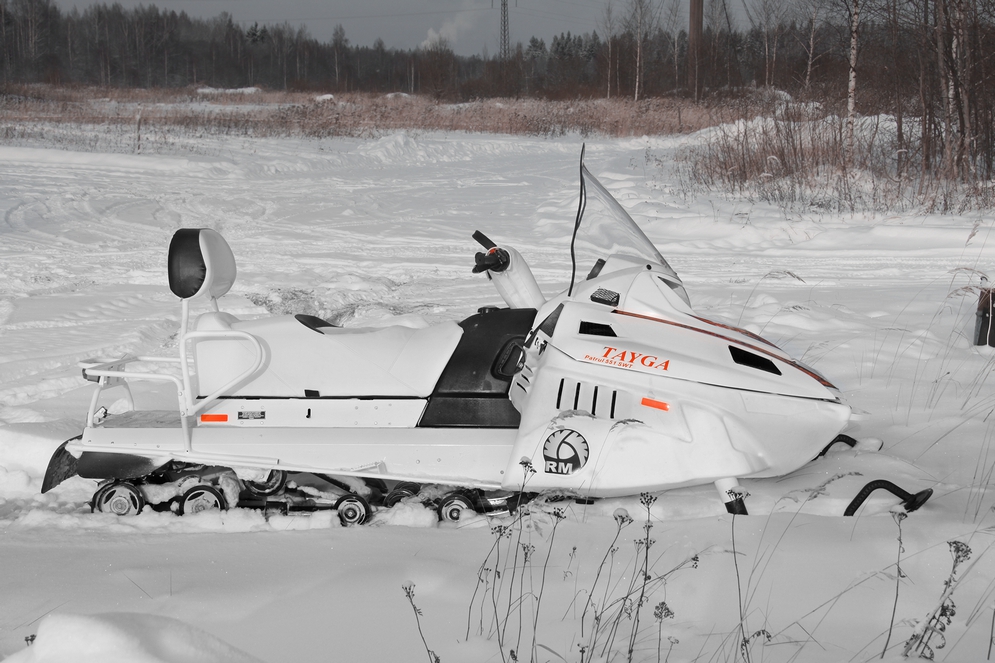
column 495, row 259
column 483, row 240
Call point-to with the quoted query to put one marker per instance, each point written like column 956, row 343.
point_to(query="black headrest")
column 200, row 263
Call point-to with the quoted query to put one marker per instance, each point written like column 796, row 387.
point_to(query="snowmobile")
column 613, row 387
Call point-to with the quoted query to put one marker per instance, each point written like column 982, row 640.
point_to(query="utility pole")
column 695, row 28
column 505, row 35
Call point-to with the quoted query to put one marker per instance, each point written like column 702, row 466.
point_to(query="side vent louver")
column 746, row 358
column 575, row 395
column 596, row 329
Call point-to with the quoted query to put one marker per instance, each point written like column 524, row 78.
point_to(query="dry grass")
column 300, row 114
column 795, row 155
column 761, row 145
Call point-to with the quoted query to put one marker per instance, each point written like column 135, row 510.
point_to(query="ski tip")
column 917, row 500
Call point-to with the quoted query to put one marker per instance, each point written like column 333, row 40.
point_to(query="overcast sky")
column 470, row 25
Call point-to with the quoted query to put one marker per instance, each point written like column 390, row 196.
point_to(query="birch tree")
column 609, row 25
column 767, row 16
column 641, row 21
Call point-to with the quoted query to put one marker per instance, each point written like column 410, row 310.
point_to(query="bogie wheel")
column 453, row 505
column 274, row 482
column 202, row 498
column 376, row 484
column 401, row 491
column 353, row 510
column 378, row 490
column 120, row 498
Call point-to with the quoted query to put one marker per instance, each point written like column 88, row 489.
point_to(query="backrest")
column 200, row 263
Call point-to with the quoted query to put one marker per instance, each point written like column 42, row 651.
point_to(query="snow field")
column 378, row 231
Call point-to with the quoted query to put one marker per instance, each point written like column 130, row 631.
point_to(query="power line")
column 362, row 16
column 560, row 17
column 578, row 4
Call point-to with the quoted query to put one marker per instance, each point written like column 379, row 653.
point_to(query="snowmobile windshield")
column 603, row 229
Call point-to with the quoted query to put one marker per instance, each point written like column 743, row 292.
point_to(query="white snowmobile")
column 611, row 388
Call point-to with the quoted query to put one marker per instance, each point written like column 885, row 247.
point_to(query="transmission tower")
column 505, row 37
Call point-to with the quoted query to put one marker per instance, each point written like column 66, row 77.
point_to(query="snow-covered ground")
column 360, row 231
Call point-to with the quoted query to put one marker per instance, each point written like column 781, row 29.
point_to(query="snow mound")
column 407, row 514
column 395, row 148
column 28, row 447
column 239, row 90
column 125, row 638
column 42, row 158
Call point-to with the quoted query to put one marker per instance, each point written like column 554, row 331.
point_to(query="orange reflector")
column 213, row 418
column 659, row 405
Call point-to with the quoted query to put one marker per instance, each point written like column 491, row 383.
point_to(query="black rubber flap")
column 61, row 467
column 187, row 269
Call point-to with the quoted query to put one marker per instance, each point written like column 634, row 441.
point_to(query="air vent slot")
column 746, row 358
column 597, row 329
column 576, row 395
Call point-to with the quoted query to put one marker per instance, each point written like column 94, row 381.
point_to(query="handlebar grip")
column 483, row 240
column 496, row 260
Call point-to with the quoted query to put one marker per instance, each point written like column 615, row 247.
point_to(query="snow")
column 126, row 638
column 370, row 232
column 239, row 90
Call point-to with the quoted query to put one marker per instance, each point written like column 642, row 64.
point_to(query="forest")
column 925, row 63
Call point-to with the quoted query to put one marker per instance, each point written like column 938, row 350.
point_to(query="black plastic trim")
column 747, row 358
column 472, row 391
column 101, row 465
column 548, row 325
column 317, row 397
column 470, row 412
column 185, row 263
column 596, row 270
column 478, row 364
column 313, row 322
column 596, row 329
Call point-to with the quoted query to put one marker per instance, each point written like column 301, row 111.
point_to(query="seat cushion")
column 391, row 361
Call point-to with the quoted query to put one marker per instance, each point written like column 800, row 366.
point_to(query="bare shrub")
column 760, row 144
column 356, row 114
column 796, row 156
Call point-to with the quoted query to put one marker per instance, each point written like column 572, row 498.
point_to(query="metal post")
column 983, row 333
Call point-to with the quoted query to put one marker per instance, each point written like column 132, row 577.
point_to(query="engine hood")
column 684, row 347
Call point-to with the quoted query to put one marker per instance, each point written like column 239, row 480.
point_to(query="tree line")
column 928, row 63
